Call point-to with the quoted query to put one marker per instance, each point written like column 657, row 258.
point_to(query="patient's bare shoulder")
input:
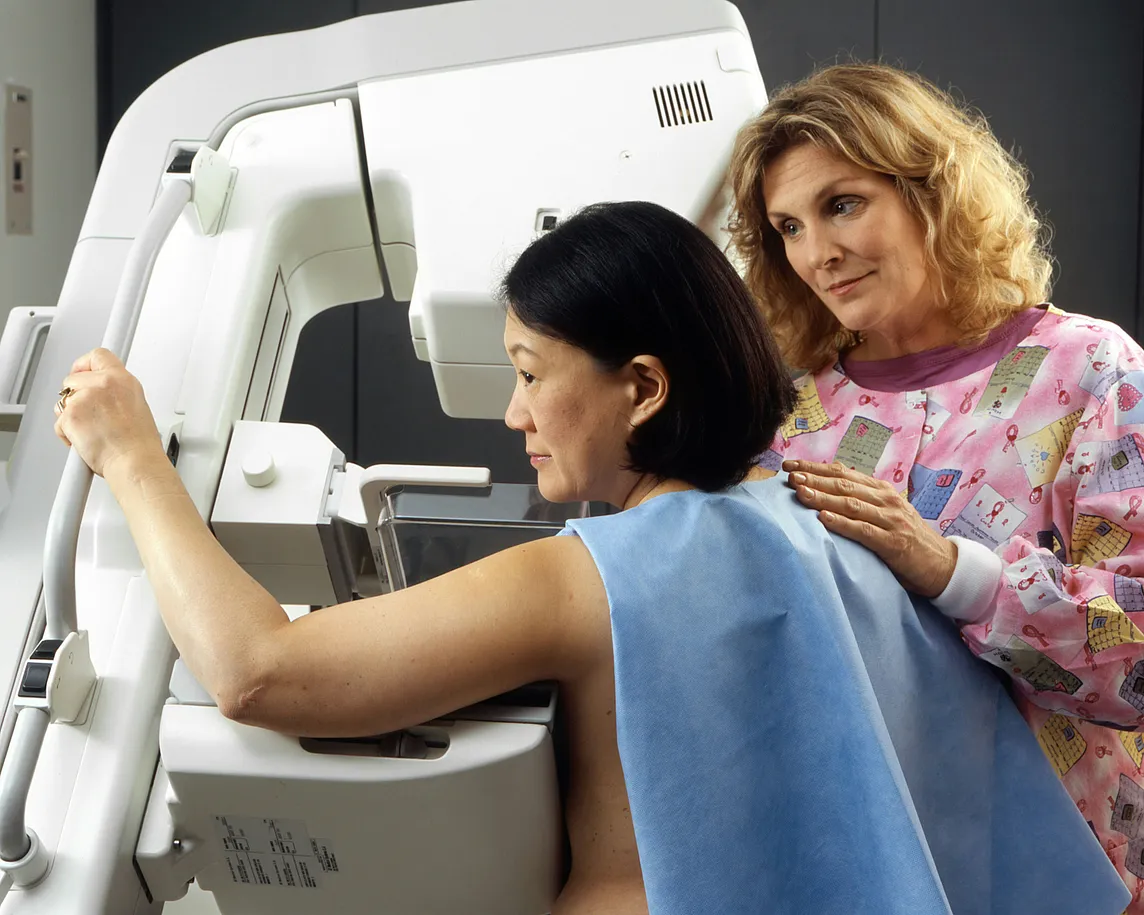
column 577, row 593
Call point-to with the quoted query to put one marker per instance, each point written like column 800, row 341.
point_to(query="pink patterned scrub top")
column 1030, row 449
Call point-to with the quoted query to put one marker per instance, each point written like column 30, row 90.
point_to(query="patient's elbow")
column 243, row 702
column 247, row 686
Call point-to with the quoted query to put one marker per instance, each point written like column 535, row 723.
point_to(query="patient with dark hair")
column 759, row 718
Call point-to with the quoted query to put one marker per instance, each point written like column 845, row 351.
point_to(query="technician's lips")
column 845, row 286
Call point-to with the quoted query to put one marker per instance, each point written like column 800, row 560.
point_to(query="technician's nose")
column 821, row 249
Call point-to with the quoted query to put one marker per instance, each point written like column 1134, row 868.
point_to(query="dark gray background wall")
column 1061, row 82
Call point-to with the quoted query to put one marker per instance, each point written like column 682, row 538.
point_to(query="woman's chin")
column 550, row 492
column 555, row 491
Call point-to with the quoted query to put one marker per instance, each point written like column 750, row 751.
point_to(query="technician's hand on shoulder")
column 879, row 517
column 102, row 412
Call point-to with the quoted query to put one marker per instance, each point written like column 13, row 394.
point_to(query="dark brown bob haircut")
column 619, row 280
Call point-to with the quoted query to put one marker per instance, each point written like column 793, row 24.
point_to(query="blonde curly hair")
column 983, row 240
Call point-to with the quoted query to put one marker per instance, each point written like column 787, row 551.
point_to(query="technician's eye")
column 844, row 206
column 527, row 378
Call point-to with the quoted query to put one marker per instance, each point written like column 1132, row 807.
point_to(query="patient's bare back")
column 605, row 878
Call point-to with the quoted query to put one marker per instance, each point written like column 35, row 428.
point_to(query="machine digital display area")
column 418, row 151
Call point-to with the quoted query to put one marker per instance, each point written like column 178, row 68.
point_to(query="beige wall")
column 48, row 46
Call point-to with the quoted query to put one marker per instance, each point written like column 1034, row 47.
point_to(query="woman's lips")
column 846, row 287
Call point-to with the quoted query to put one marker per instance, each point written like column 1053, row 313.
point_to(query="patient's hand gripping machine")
column 245, row 192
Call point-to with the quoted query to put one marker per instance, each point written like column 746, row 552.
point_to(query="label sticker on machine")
column 261, row 851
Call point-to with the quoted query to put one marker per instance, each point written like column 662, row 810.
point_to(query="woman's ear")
column 650, row 387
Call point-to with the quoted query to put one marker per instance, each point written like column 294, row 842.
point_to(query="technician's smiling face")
column 849, row 236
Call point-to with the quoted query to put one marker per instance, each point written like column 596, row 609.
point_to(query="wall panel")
column 790, row 39
column 1060, row 82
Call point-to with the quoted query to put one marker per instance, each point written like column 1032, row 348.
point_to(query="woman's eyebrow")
column 520, row 348
column 823, row 193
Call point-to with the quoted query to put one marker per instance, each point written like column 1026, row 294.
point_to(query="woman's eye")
column 527, row 378
column 790, row 230
column 844, row 206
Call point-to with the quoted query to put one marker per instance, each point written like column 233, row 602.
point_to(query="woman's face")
column 576, row 419
column 849, row 237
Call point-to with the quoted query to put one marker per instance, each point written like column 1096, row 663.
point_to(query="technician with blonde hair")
column 986, row 445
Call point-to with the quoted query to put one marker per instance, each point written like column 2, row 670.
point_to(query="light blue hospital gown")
column 797, row 736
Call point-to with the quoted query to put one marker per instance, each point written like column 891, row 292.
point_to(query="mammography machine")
column 246, row 191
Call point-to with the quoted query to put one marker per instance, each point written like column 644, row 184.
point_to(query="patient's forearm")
column 219, row 618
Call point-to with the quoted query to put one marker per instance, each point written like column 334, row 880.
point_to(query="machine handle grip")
column 67, row 509
column 364, row 486
column 60, row 547
column 386, row 476
column 16, row 846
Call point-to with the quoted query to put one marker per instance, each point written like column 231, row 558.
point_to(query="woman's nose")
column 516, row 416
column 822, row 249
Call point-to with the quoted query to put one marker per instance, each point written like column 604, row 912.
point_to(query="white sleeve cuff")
column 972, row 591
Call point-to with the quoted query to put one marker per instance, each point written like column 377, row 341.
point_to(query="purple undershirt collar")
column 945, row 363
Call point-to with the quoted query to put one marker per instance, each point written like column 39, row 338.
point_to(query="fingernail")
column 790, row 465
column 825, row 517
column 798, row 477
column 806, row 493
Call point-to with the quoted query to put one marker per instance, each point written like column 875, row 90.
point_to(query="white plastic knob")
column 258, row 468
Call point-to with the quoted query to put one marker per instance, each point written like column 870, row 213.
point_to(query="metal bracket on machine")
column 59, row 678
column 211, row 180
column 21, row 343
column 361, row 501
column 167, row 864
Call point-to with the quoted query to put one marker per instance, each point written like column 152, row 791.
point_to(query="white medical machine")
column 249, row 189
